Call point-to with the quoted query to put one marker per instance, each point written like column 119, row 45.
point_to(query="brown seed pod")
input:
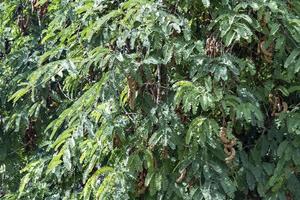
column 223, row 136
column 165, row 152
column 132, row 89
column 141, row 188
column 231, row 157
column 23, row 22
column 277, row 105
column 30, row 137
column 285, row 107
column 180, row 113
column 228, row 145
column 213, row 47
column 182, row 176
column 263, row 50
column 266, row 54
column 227, row 151
column 116, row 142
column 271, row 98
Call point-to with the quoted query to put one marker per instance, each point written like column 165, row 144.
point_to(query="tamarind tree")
column 145, row 99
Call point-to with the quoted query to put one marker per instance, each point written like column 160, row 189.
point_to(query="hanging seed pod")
column 30, row 137
column 23, row 22
column 223, row 136
column 141, row 188
column 266, row 54
column 231, row 157
column 213, row 47
column 228, row 145
column 277, row 105
column 116, row 141
column 132, row 89
column 182, row 176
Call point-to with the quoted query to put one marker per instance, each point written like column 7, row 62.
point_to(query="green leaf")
column 56, row 160
column 292, row 58
column 62, row 138
column 283, row 145
column 261, row 189
column 154, row 139
column 67, row 159
column 269, row 168
column 228, row 186
column 25, row 180
column 19, row 94
column 229, row 38
column 149, row 177
column 158, row 181
column 274, row 29
column 296, row 157
column 194, row 127
column 206, row 3
column 250, row 180
column 149, row 159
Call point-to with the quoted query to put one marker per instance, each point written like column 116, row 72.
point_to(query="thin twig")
column 158, row 83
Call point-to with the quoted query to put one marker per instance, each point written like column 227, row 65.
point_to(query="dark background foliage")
column 144, row 99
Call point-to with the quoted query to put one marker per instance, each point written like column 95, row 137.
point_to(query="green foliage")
column 125, row 99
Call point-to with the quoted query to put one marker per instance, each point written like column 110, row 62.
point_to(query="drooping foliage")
column 144, row 99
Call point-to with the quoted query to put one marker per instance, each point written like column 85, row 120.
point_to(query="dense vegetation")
column 144, row 99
